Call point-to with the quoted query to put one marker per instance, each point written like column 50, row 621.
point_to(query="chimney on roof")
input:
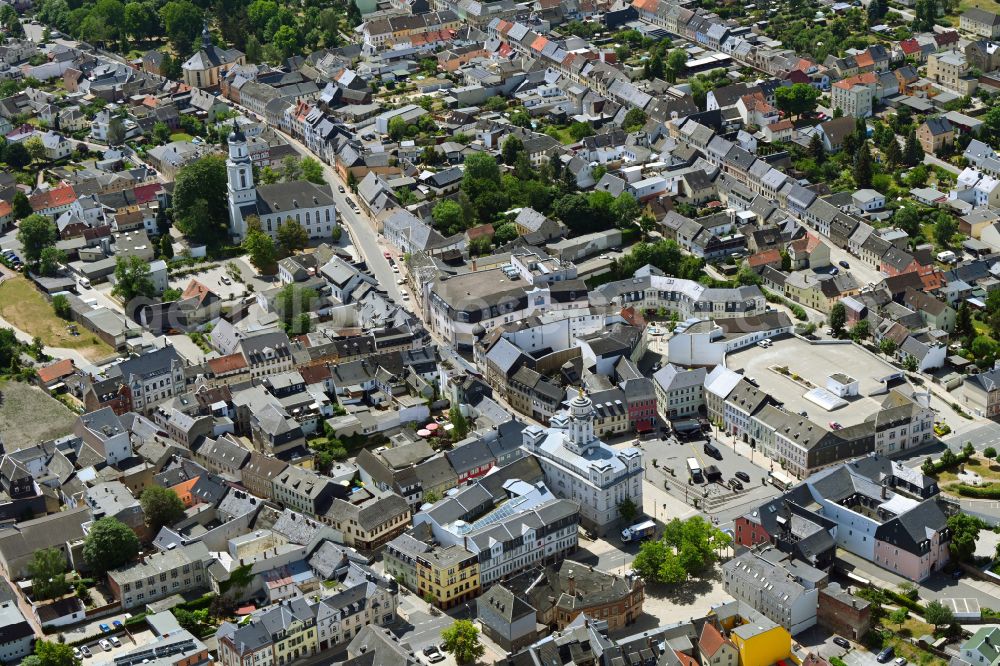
column 571, row 583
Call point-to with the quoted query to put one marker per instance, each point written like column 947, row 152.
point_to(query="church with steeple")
column 577, row 465
column 202, row 69
column 310, row 205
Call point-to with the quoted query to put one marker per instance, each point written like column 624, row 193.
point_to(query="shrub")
column 991, row 491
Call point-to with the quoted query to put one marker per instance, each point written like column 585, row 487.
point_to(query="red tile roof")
column 60, row 196
column 57, row 370
column 765, row 258
column 197, row 290
column 909, row 46
column 865, row 59
column 5, row 208
column 711, row 638
column 224, row 364
column 314, row 374
column 146, row 193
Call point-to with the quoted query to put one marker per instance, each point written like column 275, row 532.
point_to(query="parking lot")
column 128, row 643
column 213, row 279
column 671, row 454
column 814, row 363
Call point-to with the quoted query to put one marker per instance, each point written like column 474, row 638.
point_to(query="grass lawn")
column 181, row 136
column 988, row 5
column 24, row 307
column 561, row 135
column 989, row 470
column 28, row 415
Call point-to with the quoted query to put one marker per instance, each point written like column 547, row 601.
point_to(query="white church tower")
column 241, row 187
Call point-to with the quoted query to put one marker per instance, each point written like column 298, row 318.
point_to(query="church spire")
column 206, row 36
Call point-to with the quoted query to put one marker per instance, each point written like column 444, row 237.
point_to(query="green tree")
column 580, row 130
column 201, row 209
column 166, row 247
column 938, row 615
column 397, row 128
column 161, row 507
column 260, row 246
column 61, row 306
column 910, row 363
column 628, row 510
column 449, row 218
column 887, row 346
column 182, row 22
column 634, row 121
column 863, row 169
column 990, row 453
column 495, row 104
column 860, row 330
column 796, row 99
column 36, row 149
column 504, row 233
column 20, row 207
column 35, row 233
column 512, row 147
column 286, row 40
column 838, row 318
column 312, row 170
column 48, row 263
column 898, row 617
column 292, row 302
column 458, row 420
column 625, row 210
column 913, row 153
column 161, row 133
column 132, row 279
column 945, row 228
column 963, row 321
column 291, row 236
column 654, row 68
column 51, row 653
column 16, row 155
column 47, row 569
column 894, row 154
column 109, row 544
column 816, row 148
column 461, row 639
column 964, row 530
column 141, row 20
column 675, row 65
column 907, row 218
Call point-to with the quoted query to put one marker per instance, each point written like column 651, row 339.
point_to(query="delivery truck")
column 639, row 531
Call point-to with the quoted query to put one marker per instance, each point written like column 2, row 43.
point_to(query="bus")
column 694, row 469
column 780, row 480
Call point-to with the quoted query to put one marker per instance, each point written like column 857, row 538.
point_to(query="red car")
column 835, row 426
column 387, row 255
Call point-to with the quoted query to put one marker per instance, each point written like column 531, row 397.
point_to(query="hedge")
column 904, row 601
column 991, row 491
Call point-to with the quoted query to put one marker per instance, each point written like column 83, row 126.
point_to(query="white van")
column 84, row 282
column 946, row 257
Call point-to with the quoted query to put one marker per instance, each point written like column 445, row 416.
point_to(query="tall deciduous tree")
column 161, row 507
column 260, row 246
column 201, row 209
column 797, row 99
column 109, row 544
column 292, row 236
column 182, row 22
column 461, row 639
column 35, row 233
column 48, row 574
column 132, row 279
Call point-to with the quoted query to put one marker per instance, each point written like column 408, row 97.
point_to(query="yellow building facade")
column 449, row 575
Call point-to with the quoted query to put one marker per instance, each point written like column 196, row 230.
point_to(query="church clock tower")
column 239, row 171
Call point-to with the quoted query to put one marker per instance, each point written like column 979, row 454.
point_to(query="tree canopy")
column 132, row 279
column 35, row 233
column 797, row 99
column 161, row 507
column 109, row 544
column 48, row 574
column 461, row 639
column 201, row 208
column 687, row 548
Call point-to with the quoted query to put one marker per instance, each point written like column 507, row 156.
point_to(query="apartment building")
column 162, row 574
column 274, row 636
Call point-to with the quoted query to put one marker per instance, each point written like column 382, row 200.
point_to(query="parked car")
column 886, row 655
column 743, row 476
column 117, row 624
column 84, row 282
column 105, row 645
column 340, row 188
column 114, row 641
column 835, row 426
column 735, row 484
column 106, row 628
column 834, row 270
column 77, row 653
column 900, row 661
column 842, row 642
column 86, row 651
column 844, row 264
column 225, row 280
